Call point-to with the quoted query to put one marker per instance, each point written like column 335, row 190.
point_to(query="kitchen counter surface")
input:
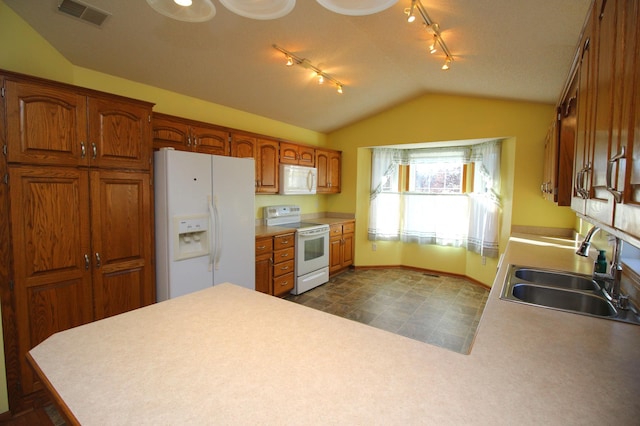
column 227, row 355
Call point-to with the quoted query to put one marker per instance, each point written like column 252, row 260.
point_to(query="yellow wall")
column 435, row 118
column 428, row 118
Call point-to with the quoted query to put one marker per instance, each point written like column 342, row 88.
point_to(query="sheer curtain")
column 484, row 202
column 384, row 207
column 464, row 220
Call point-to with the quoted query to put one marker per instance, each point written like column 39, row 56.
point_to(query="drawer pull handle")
column 284, row 283
column 284, row 268
column 262, row 247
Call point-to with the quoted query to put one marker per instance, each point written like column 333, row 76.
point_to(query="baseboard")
column 426, row 271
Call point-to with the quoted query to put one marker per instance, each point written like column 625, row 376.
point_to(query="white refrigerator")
column 204, row 222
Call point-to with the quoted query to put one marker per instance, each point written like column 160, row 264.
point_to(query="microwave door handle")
column 310, row 180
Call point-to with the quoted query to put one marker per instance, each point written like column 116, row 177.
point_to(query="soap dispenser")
column 601, row 262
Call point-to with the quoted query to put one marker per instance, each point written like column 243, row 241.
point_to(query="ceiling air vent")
column 82, row 11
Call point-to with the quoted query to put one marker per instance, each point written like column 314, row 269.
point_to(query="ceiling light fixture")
column 432, row 28
column 203, row 10
column 304, row 63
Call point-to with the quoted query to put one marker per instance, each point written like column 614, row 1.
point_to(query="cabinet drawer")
column 264, row 246
column 283, row 255
column 283, row 268
column 348, row 227
column 335, row 229
column 283, row 241
column 283, row 284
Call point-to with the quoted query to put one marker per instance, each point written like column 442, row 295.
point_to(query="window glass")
column 436, row 178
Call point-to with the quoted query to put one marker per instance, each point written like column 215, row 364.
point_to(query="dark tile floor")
column 435, row 309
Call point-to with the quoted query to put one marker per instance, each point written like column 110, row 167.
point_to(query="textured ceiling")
column 511, row 49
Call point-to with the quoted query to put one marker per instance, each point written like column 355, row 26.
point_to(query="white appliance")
column 298, row 180
column 312, row 246
column 205, row 222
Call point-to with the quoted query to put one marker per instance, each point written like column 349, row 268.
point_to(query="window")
column 436, row 178
column 421, row 196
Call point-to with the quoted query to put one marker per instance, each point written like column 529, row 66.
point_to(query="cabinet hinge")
column 6, row 179
column 4, row 149
column 11, row 285
column 2, row 91
column 149, row 118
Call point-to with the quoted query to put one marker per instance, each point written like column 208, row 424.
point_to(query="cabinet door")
column 347, row 250
column 306, row 156
column 50, row 236
column 267, row 167
column 566, row 144
column 119, row 134
column 584, row 133
column 627, row 213
column 328, row 164
column 335, row 165
column 121, row 225
column 288, row 153
column 243, row 146
column 169, row 133
column 600, row 202
column 322, row 164
column 264, row 262
column 210, row 140
column 335, row 254
column 45, row 125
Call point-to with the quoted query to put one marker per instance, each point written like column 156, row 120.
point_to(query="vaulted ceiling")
column 511, row 49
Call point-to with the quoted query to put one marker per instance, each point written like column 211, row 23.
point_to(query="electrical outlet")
column 373, row 247
column 484, row 260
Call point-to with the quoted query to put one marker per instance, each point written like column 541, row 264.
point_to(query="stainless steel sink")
column 556, row 279
column 562, row 291
column 565, row 300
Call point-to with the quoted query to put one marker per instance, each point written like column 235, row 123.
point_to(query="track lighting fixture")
column 410, row 11
column 432, row 28
column 305, row 63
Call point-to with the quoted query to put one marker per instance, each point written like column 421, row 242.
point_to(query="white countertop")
column 227, row 355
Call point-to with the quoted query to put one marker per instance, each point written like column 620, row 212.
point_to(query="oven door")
column 312, row 250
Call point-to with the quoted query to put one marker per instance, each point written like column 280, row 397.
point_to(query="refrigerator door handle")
column 212, row 245
column 216, row 249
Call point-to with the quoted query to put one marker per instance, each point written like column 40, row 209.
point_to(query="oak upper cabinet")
column 561, row 146
column 328, row 163
column 583, row 154
column 625, row 153
column 301, row 155
column 50, row 124
column 243, row 146
column 599, row 204
column 267, row 168
column 189, row 135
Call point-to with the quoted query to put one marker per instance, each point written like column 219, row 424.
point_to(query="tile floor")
column 435, row 309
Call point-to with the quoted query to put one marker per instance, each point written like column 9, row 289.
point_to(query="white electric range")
column 312, row 246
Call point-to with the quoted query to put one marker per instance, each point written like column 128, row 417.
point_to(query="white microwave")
column 298, row 180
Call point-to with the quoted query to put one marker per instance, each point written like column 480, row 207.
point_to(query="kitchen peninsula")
column 227, row 355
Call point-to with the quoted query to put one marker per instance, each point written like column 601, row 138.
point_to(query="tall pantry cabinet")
column 78, row 166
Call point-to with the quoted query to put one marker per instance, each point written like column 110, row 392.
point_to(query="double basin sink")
column 562, row 291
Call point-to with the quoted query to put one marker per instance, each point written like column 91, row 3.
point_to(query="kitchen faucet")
column 612, row 280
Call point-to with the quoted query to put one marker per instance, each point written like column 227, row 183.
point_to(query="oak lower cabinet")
column 189, row 135
column 275, row 264
column 341, row 246
column 264, row 265
column 81, row 249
